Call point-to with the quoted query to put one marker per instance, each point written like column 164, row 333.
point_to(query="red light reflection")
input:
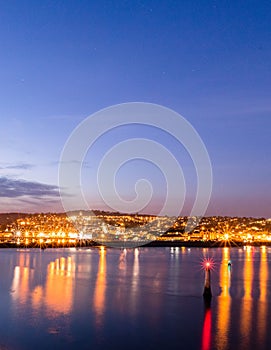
column 206, row 331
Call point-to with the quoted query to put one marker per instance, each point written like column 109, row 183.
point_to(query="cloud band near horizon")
column 14, row 188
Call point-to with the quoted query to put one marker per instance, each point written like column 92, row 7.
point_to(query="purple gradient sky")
column 209, row 61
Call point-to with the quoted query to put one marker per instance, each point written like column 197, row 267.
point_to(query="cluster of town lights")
column 57, row 228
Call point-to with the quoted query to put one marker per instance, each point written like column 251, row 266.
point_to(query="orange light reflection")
column 100, row 288
column 246, row 306
column 21, row 279
column 263, row 296
column 224, row 303
column 58, row 291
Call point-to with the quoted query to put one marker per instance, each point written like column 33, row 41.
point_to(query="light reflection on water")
column 143, row 297
column 246, row 304
column 262, row 312
column 224, row 303
column 100, row 287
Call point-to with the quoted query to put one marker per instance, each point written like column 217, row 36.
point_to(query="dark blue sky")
column 210, row 61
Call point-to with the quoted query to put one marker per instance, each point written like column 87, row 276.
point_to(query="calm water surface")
column 146, row 298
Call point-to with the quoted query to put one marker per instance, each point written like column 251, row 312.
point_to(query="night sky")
column 210, row 61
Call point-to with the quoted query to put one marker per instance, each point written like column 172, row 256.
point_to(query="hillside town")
column 103, row 227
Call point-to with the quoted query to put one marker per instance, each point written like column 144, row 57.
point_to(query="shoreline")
column 154, row 244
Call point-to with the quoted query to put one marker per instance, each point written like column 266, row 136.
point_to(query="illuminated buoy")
column 229, row 265
column 207, row 293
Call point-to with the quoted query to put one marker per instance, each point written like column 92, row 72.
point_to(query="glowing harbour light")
column 207, row 264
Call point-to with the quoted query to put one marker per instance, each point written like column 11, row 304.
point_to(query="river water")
column 143, row 298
